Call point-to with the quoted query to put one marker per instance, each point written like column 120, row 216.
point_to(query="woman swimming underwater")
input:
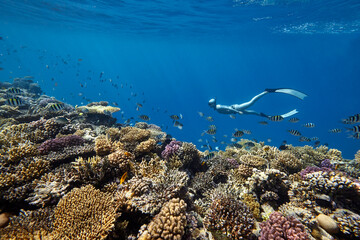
column 243, row 107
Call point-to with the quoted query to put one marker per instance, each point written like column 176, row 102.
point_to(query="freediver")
column 243, row 107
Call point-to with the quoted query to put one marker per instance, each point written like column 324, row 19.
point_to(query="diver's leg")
column 289, row 91
column 241, row 107
column 252, row 112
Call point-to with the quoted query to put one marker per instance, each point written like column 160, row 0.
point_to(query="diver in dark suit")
column 243, row 107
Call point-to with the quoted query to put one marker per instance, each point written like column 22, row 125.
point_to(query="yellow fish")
column 123, row 177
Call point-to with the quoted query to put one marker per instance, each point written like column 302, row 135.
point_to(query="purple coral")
column 233, row 163
column 311, row 169
column 326, row 164
column 171, row 149
column 282, row 228
column 59, row 143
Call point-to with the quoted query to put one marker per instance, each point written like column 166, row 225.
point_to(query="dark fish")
column 314, row 139
column 283, row 147
column 294, row 120
column 316, row 144
column 354, row 128
column 304, row 139
column 56, row 106
column 14, row 101
column 175, row 117
column 211, row 131
column 248, row 132
column 178, row 125
column 309, row 125
column 294, row 132
column 139, row 105
column 356, row 135
column 1, row 68
column 249, row 144
column 144, row 117
column 236, row 145
column 238, row 133
column 276, row 118
column 264, row 123
column 335, row 130
column 352, row 119
column 14, row 90
column 1, row 38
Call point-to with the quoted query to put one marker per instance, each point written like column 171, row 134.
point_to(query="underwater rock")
column 4, row 219
column 327, row 223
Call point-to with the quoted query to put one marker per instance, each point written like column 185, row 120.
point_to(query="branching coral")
column 84, row 213
column 230, row 218
column 131, row 137
column 287, row 162
column 348, row 222
column 280, row 227
column 145, row 147
column 169, row 223
column 253, row 161
column 58, row 144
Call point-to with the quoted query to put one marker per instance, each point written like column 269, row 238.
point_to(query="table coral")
column 253, row 161
column 169, row 224
column 230, row 218
column 84, row 213
column 279, row 227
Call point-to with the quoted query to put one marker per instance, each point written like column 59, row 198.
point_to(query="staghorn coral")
column 169, row 224
column 285, row 161
column 230, row 218
column 280, row 227
column 22, row 150
column 84, row 213
column 90, row 170
column 151, row 169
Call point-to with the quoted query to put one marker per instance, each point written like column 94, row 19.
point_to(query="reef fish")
column 238, row 133
column 176, row 117
column 209, row 156
column 304, row 139
column 309, row 125
column 264, row 123
column 14, row 101
column 354, row 128
column 14, row 90
column 56, row 106
column 248, row 132
column 294, row 132
column 210, row 119
column 144, row 117
column 123, row 178
column 211, row 131
column 294, row 120
column 276, row 118
column 335, row 130
column 352, row 119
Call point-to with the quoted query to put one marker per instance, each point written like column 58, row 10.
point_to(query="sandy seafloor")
column 74, row 173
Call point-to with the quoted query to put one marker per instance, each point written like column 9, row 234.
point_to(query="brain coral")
column 169, row 224
column 84, row 213
column 229, row 217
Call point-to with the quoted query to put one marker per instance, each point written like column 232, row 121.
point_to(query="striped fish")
column 355, row 135
column 276, row 118
column 144, row 117
column 335, row 130
column 209, row 156
column 354, row 129
column 304, row 139
column 238, row 133
column 309, row 125
column 294, row 132
column 294, row 120
column 314, row 138
column 211, row 131
column 14, row 90
column 56, row 106
column 352, row 119
column 14, row 101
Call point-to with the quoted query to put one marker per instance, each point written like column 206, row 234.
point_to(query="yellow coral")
column 103, row 146
column 84, row 213
column 253, row 161
column 121, row 159
column 145, row 146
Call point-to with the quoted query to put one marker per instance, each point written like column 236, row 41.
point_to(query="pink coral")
column 59, row 143
column 171, row 149
column 282, row 228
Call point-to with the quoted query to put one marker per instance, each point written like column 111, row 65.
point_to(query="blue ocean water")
column 173, row 56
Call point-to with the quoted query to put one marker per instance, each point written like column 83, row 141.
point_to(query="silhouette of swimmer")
column 243, row 107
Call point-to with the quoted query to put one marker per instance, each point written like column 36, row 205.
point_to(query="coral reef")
column 74, row 173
